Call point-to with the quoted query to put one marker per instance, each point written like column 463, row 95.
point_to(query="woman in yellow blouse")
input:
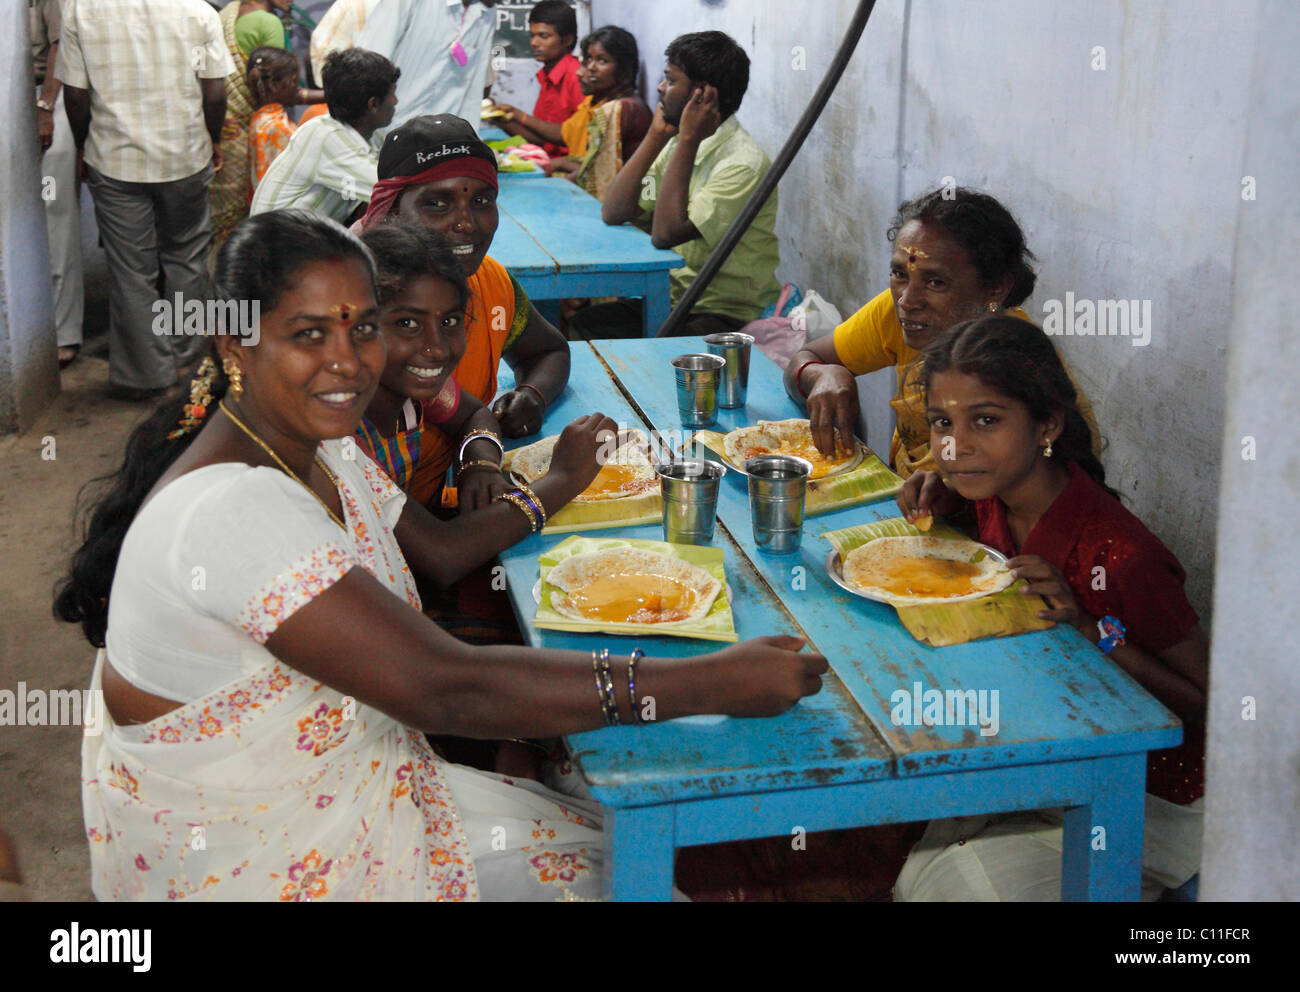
column 957, row 254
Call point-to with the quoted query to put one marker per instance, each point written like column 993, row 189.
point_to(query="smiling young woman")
column 435, row 172
column 267, row 673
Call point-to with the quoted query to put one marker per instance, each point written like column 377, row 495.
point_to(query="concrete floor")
column 40, row 767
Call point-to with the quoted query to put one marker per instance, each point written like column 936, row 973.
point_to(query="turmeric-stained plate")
column 786, row 437
column 913, row 571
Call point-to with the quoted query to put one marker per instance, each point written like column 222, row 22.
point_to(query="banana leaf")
column 717, row 625
column 631, row 511
column 1002, row 614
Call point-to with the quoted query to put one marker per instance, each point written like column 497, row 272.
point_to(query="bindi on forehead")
column 914, row 253
column 345, row 312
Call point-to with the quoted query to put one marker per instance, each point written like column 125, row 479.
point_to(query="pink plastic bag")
column 778, row 337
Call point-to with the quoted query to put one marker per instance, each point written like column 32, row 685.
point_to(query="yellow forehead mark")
column 344, row 310
column 913, row 253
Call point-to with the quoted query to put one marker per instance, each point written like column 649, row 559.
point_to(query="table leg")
column 1101, row 854
column 639, row 845
column 655, row 305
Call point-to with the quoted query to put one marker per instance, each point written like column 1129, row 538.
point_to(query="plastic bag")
column 816, row 315
column 777, row 337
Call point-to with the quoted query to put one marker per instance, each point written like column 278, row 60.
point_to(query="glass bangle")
column 636, row 656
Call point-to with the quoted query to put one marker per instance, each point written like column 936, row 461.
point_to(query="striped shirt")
column 142, row 61
column 328, row 168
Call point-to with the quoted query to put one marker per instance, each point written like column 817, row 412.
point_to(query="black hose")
column 768, row 183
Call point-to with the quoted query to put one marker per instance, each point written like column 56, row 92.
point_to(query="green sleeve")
column 523, row 306
column 257, row 29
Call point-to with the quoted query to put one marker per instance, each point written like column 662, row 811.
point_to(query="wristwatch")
column 47, row 107
column 1112, row 634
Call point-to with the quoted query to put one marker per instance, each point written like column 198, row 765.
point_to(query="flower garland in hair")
column 200, row 399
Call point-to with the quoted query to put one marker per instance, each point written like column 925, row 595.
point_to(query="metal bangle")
column 611, row 717
column 540, row 395
column 478, row 463
column 637, row 655
column 514, row 499
column 600, row 686
column 480, row 433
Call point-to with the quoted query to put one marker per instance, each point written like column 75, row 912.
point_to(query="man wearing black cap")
column 435, row 171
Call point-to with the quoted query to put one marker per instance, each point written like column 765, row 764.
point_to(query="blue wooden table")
column 1072, row 730
column 553, row 241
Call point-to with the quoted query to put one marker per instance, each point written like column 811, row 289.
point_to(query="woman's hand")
column 1046, row 580
column 832, row 406
column 519, row 412
column 577, row 457
column 925, row 493
column 764, row 676
column 479, row 486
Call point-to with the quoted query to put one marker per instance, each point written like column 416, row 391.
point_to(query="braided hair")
column 265, row 65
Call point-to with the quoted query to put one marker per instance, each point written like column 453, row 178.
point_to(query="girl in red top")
column 1008, row 437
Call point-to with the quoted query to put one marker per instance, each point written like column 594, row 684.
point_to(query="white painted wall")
column 1252, row 831
column 1126, row 180
column 29, row 374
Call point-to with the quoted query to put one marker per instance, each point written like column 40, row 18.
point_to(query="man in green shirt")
column 686, row 183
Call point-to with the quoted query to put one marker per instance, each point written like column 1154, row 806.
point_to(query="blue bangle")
column 1112, row 634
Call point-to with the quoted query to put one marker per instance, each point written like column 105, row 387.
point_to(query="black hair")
column 352, row 77
column 257, row 262
column 558, row 15
column 1017, row 359
column 621, row 46
column 265, row 63
column 984, row 227
column 714, row 58
column 404, row 251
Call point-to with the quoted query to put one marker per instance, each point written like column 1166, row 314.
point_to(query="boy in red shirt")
column 553, row 31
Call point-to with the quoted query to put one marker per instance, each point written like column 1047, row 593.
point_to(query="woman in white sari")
column 268, row 676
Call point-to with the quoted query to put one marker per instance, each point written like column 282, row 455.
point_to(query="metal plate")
column 708, row 452
column 834, row 569
column 537, row 592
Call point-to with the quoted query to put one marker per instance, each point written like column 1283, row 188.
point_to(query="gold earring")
column 1047, row 452
column 236, row 376
column 993, row 307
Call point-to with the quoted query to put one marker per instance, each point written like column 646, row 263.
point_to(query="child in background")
column 273, row 85
column 553, row 31
column 1008, row 436
column 422, row 298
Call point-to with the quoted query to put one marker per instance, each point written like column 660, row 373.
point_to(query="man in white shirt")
column 144, row 88
column 443, row 48
column 329, row 166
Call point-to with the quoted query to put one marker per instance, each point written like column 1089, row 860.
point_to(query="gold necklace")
column 291, row 473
